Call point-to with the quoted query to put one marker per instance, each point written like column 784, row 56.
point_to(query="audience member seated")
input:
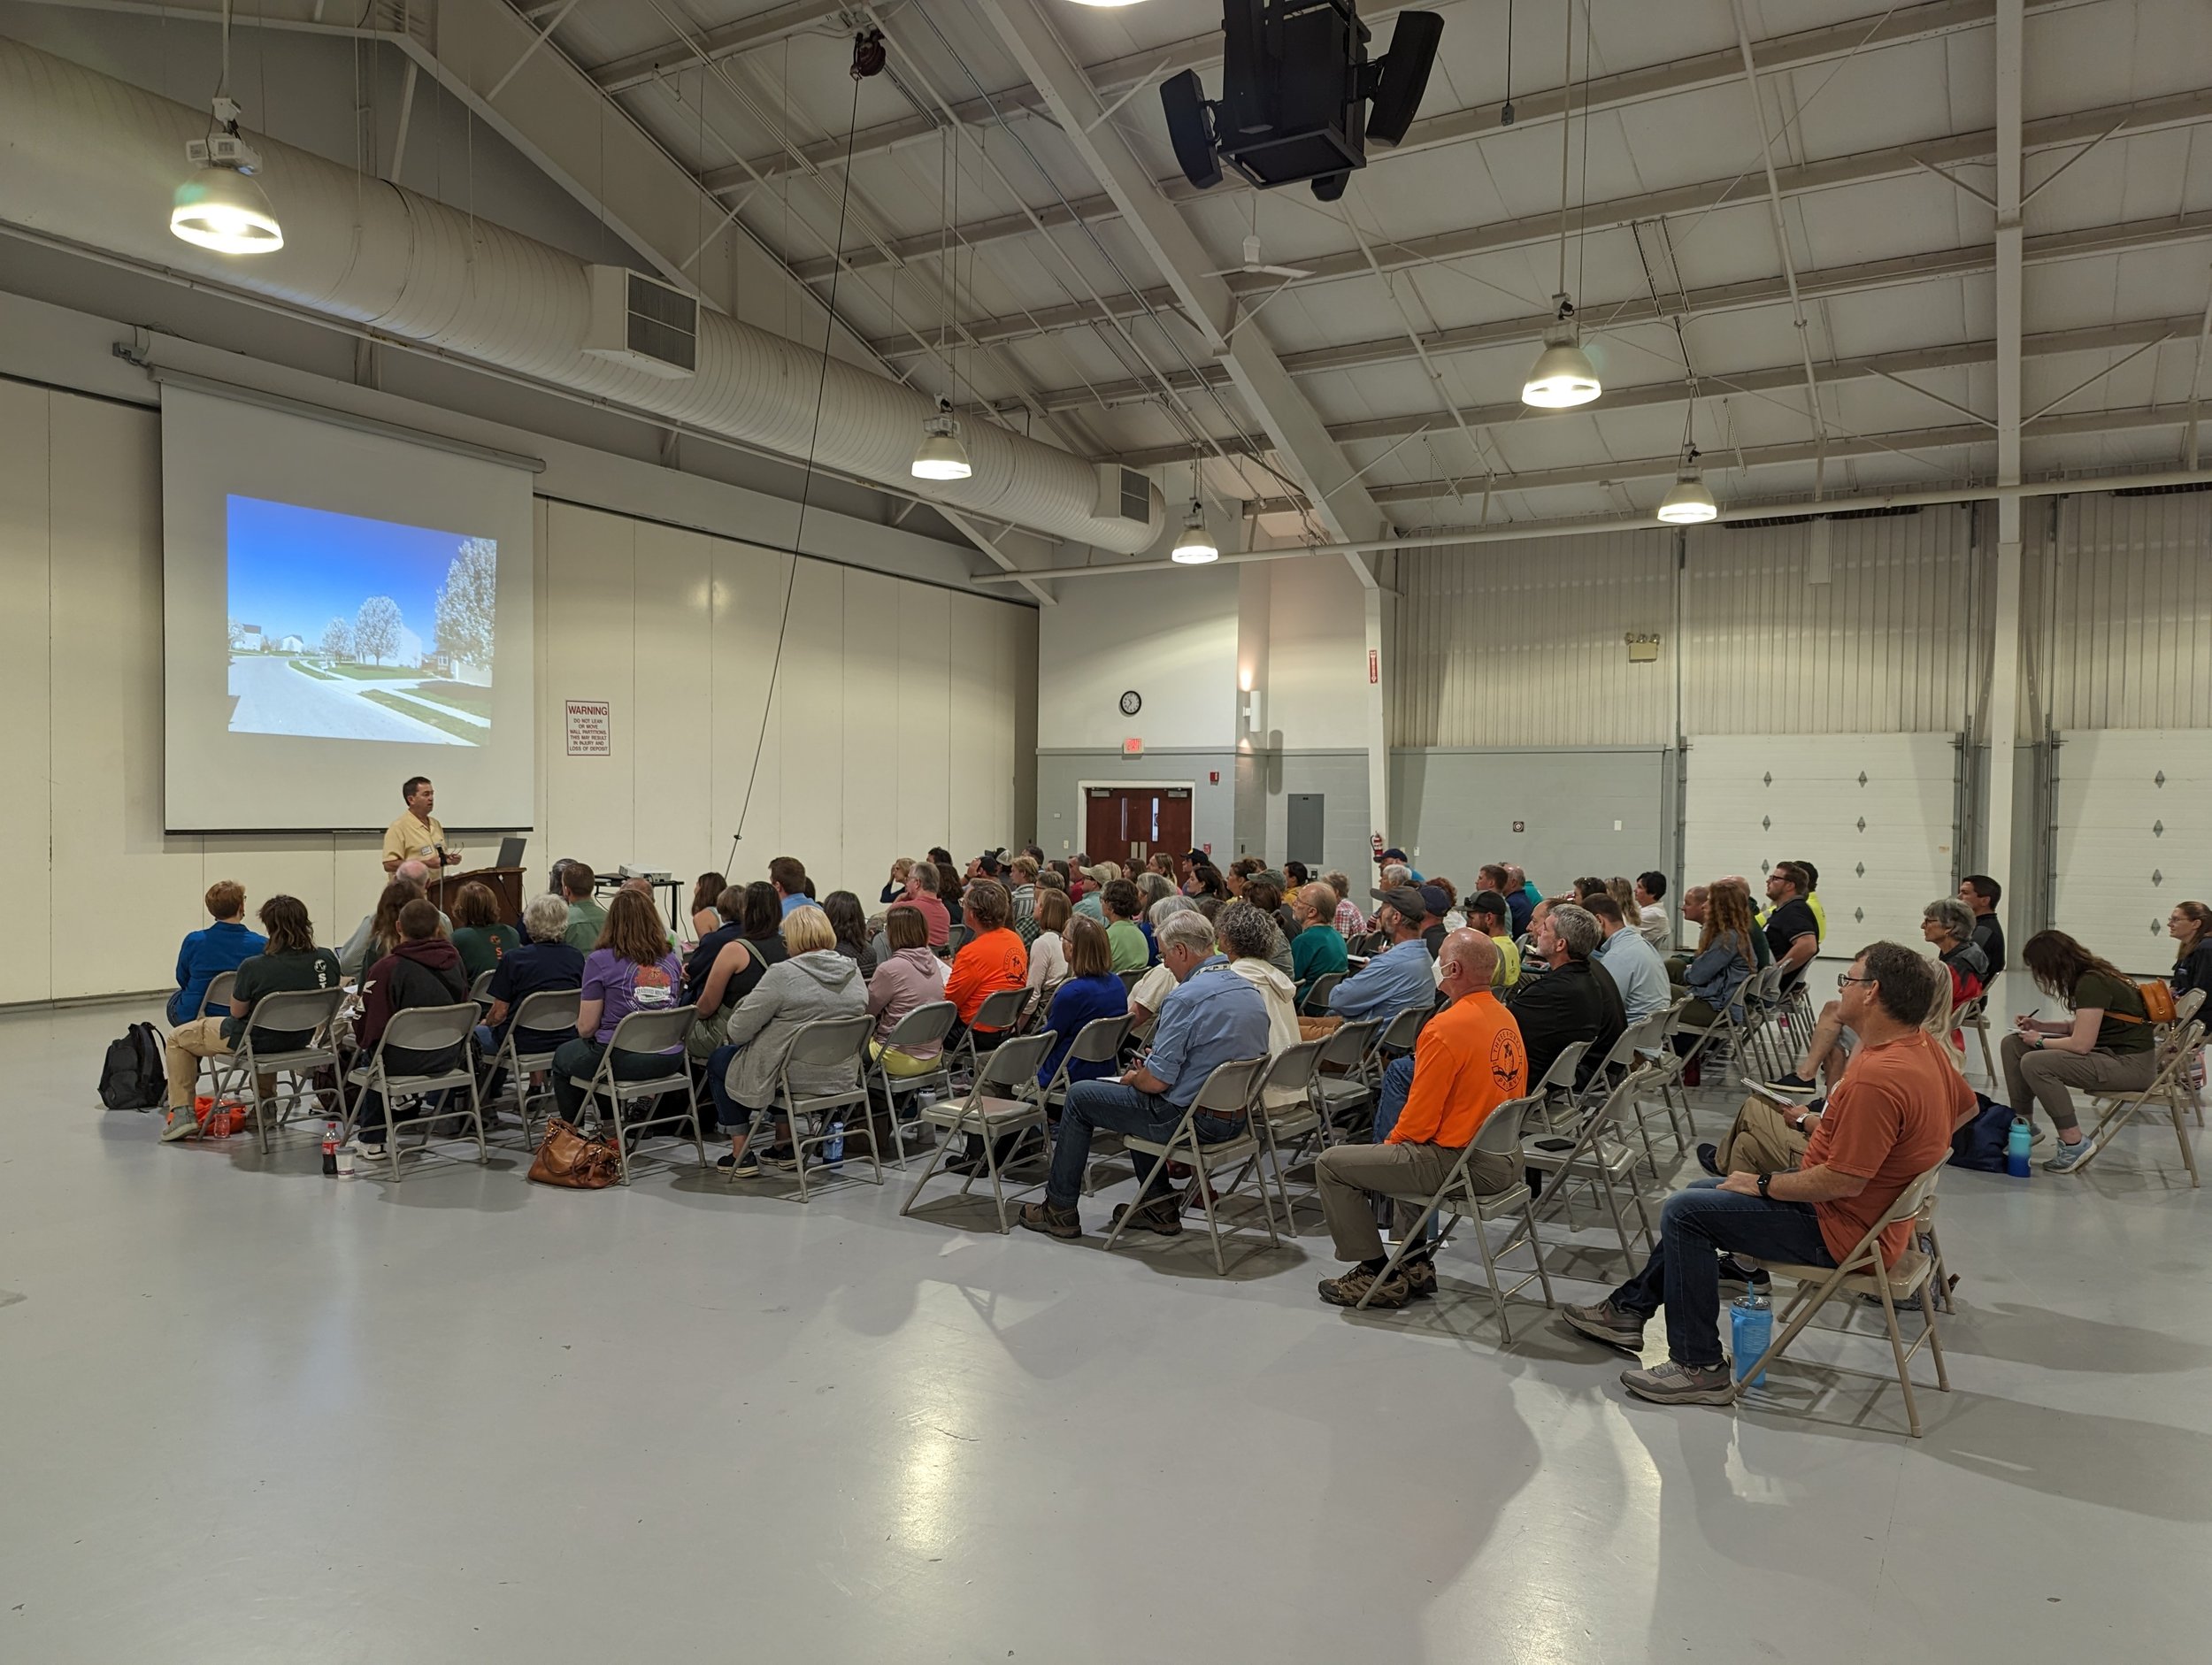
column 1652, row 920
column 630, row 968
column 1948, row 925
column 1507, row 880
column 1890, row 1121
column 1265, row 891
column 378, row 934
column 1117, row 899
column 1151, row 889
column 1436, row 901
column 1396, row 858
column 2190, row 926
column 851, row 928
column 729, row 963
column 1213, row 1018
column 1350, row 922
column 1318, row 947
column 477, row 937
column 2105, row 1046
column 1981, row 893
column 912, row 976
column 209, row 952
column 1245, row 932
column 1696, row 901
column 288, row 960
column 815, row 981
column 1810, row 882
column 787, row 874
column 1206, row 880
column 703, row 915
column 1792, row 932
column 1636, row 968
column 543, row 960
column 1152, row 988
column 422, row 970
column 1398, row 977
column 1296, row 877
column 1241, row 872
column 586, row 918
column 1488, row 913
column 1575, row 1000
column 1726, row 956
column 1048, row 950
column 1467, row 1061
column 894, row 887
column 1022, row 874
column 1091, row 991
column 991, row 959
column 921, row 892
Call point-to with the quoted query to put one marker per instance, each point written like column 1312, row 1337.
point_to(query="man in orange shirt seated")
column 1468, row 1061
column 991, row 959
column 1889, row 1120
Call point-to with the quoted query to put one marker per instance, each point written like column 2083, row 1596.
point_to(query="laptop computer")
column 510, row 851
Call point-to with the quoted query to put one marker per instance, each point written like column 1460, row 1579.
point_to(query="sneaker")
column 1608, row 1323
column 1709, row 1159
column 745, row 1167
column 1673, row 1384
column 363, row 1151
column 2037, row 1132
column 1359, row 1283
column 1163, row 1217
column 182, row 1124
column 1790, row 1089
column 781, row 1157
column 1053, row 1222
column 1420, row 1275
column 1734, row 1271
column 2064, row 1158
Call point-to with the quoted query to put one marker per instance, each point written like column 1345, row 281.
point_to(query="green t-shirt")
column 278, row 974
column 481, row 947
column 1127, row 943
column 1314, row 952
column 2118, row 1000
column 585, row 919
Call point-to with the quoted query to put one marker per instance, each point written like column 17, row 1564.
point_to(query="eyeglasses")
column 1848, row 977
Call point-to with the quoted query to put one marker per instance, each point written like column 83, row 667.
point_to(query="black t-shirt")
column 2193, row 970
column 1989, row 937
column 700, row 961
column 278, row 974
column 525, row 970
column 1787, row 923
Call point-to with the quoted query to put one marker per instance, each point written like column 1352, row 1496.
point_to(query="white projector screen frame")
column 282, row 464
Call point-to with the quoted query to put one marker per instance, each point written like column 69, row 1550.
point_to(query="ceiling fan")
column 1253, row 263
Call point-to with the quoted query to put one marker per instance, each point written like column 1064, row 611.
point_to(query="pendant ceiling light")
column 940, row 456
column 221, row 207
column 1196, row 546
column 1562, row 375
column 1691, row 502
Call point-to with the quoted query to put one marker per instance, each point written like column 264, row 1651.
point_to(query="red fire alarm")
column 1213, row 776
column 1133, row 747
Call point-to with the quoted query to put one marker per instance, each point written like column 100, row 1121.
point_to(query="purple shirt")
column 623, row 987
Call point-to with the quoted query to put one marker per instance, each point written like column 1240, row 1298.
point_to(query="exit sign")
column 1133, row 747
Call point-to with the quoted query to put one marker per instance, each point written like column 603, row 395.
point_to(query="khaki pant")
column 2036, row 1075
column 1347, row 1174
column 1761, row 1141
column 1318, row 1028
column 707, row 1033
column 189, row 1043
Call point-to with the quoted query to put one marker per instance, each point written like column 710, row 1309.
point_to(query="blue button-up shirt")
column 1639, row 973
column 1213, row 1018
column 1399, row 977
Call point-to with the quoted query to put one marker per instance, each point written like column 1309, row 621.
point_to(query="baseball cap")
column 989, row 862
column 1489, row 901
column 1394, row 854
column 1195, row 855
column 1437, row 900
column 1406, row 899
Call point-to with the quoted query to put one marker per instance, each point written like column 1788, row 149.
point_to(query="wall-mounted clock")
column 1132, row 702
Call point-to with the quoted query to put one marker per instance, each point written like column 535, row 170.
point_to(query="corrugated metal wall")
column 1520, row 644
column 2117, row 602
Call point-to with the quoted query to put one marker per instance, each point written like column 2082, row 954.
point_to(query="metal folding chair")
column 648, row 1034
column 1287, row 1124
column 549, row 1011
column 1345, row 1081
column 1227, row 1091
column 1638, row 1043
column 2167, row 1088
column 927, row 1025
column 1001, row 1013
column 422, row 1029
column 1600, row 1155
column 220, row 1070
column 1098, row 1041
column 1317, row 1002
column 480, row 990
column 1558, row 1082
column 1130, row 980
column 822, row 1045
column 1500, row 1134
column 1860, row 1273
column 308, row 1011
column 1012, row 1066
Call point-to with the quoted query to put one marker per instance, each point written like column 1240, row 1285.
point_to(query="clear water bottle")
column 834, row 1150
column 2018, row 1137
column 330, row 1149
column 1751, row 1328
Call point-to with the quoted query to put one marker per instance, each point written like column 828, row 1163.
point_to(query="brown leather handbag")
column 566, row 1158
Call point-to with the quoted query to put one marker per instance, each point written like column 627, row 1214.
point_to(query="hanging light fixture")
column 1196, row 546
column 1691, row 502
column 1562, row 375
column 221, row 206
column 940, row 455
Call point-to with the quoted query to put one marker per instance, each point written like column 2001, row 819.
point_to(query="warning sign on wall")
column 590, row 722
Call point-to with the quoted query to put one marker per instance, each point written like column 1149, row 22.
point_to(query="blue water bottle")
column 2017, row 1138
column 834, row 1150
column 1751, row 1328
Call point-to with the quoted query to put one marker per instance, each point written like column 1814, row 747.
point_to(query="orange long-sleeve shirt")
column 1468, row 1061
column 986, row 964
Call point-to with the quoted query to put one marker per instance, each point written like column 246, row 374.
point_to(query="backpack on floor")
column 132, row 1076
column 1980, row 1143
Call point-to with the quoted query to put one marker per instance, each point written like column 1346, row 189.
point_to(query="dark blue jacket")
column 206, row 954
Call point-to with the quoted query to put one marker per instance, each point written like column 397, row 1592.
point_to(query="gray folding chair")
column 1000, row 1013
column 1599, row 1154
column 1288, row 1126
column 2167, row 1089
column 1398, row 1036
column 955, row 939
column 1342, row 1080
column 423, row 1029
column 648, row 1035
column 1010, row 1068
column 545, row 1012
column 927, row 1025
column 310, row 1012
column 1973, row 1018
column 1130, row 980
column 823, row 1044
column 1500, row 1134
column 220, row 1070
column 480, row 990
column 1636, row 1044
column 1557, row 1084
column 1098, row 1041
column 1227, row 1091
column 1317, row 1002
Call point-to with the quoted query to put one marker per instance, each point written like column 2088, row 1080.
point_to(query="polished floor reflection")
column 254, row 1413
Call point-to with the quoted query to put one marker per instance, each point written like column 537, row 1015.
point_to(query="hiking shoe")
column 1420, row 1275
column 1734, row 1271
column 1709, row 1159
column 2064, row 1158
column 182, row 1124
column 1673, row 1384
column 1792, row 1086
column 1164, row 1217
column 1052, row 1220
column 1359, row 1283
column 1608, row 1323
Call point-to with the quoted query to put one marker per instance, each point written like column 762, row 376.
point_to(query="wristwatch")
column 1764, row 1181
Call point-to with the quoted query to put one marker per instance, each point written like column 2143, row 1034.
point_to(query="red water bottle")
column 330, row 1149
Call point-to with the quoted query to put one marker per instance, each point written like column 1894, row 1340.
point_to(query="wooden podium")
column 504, row 883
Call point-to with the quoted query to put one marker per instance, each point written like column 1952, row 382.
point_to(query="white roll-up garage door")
column 2131, row 835
column 1876, row 814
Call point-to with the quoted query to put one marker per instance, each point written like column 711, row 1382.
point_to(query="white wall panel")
column 925, row 719
column 810, row 717
column 2133, row 837
column 2119, row 600
column 589, row 613
column 871, row 762
column 745, row 745
column 674, row 637
column 26, row 672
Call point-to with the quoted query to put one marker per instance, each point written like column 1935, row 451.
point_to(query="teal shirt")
column 481, row 947
column 1314, row 952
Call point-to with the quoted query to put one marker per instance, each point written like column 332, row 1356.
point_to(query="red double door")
column 1126, row 823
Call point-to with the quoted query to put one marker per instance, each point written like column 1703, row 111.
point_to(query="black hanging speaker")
column 1299, row 97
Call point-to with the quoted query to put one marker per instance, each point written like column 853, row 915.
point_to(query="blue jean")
column 1122, row 1109
column 735, row 1117
column 1683, row 1273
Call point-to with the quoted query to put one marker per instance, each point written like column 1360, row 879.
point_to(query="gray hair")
column 1245, row 932
column 1188, row 929
column 1577, row 928
column 1397, row 874
column 1153, row 888
column 1955, row 917
column 1164, row 909
column 544, row 918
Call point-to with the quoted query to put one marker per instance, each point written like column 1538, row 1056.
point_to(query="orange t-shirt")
column 1468, row 1061
column 986, row 964
column 1888, row 1122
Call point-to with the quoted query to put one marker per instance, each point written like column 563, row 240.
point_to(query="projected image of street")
column 347, row 628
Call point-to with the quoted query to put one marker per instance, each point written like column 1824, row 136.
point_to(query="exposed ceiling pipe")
column 92, row 160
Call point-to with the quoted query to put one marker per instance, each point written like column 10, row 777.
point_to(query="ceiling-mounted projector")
column 1299, row 97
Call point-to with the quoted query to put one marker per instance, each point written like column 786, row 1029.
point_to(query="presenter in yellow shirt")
column 419, row 835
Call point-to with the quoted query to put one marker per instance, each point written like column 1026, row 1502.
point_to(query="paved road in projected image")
column 275, row 699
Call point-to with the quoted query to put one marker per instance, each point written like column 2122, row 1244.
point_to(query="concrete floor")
column 253, row 1414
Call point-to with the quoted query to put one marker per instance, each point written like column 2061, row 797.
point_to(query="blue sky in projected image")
column 294, row 570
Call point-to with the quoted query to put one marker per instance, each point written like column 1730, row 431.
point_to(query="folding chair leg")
column 1159, row 1173
column 1897, row 1351
column 1206, row 1198
column 2188, row 1153
column 929, row 1168
column 1490, row 1276
column 698, row 1126
column 1536, row 1250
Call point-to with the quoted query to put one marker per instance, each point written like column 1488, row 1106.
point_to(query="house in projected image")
column 290, row 644
column 249, row 639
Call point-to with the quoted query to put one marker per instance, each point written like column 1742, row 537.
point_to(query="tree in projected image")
column 337, row 638
column 464, row 610
column 376, row 629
